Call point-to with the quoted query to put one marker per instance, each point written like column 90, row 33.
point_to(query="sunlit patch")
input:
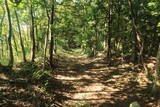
column 3, row 76
column 22, row 103
column 151, row 65
column 91, row 96
column 95, row 82
column 61, row 77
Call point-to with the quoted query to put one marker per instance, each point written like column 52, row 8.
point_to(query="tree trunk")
column 46, row 42
column 32, row 34
column 155, row 39
column 137, row 45
column 2, row 54
column 20, row 37
column 15, row 44
column 11, row 60
column 7, row 47
column 108, row 40
column 36, row 33
column 156, row 85
column 47, row 36
column 1, row 33
column 52, row 36
column 2, row 23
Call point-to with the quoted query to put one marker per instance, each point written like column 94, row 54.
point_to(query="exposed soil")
column 93, row 83
column 80, row 82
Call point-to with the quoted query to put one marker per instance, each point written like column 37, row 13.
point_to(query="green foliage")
column 84, row 24
column 150, row 76
column 16, row 1
column 42, row 77
column 95, row 26
column 27, row 69
column 36, row 75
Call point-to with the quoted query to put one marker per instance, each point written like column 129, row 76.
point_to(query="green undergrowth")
column 77, row 52
column 35, row 74
column 37, row 83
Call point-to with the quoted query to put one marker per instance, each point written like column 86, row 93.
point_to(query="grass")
column 71, row 53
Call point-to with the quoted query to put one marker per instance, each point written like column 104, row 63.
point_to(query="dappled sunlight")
column 91, row 96
column 79, row 53
column 3, row 76
column 125, row 65
column 80, row 81
column 67, row 78
column 97, row 83
column 142, row 79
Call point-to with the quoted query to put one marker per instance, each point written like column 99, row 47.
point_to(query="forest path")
column 90, row 82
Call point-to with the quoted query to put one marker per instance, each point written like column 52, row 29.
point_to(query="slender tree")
column 32, row 34
column 109, row 31
column 47, row 35
column 51, row 50
column 1, row 25
column 20, row 37
column 10, row 65
column 137, row 42
column 156, row 83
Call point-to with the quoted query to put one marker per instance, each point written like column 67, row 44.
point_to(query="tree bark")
column 15, row 44
column 51, row 51
column 2, row 23
column 108, row 38
column 1, row 33
column 2, row 50
column 32, row 34
column 109, row 35
column 137, row 44
column 20, row 37
column 156, row 84
column 46, row 39
column 36, row 34
column 11, row 60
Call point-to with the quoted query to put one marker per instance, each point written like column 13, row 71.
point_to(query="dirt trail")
column 90, row 82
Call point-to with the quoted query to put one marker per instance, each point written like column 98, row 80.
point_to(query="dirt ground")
column 92, row 82
column 80, row 82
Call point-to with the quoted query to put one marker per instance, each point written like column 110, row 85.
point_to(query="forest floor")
column 92, row 82
column 78, row 81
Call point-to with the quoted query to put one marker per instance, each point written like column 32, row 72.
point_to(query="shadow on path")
column 97, row 84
